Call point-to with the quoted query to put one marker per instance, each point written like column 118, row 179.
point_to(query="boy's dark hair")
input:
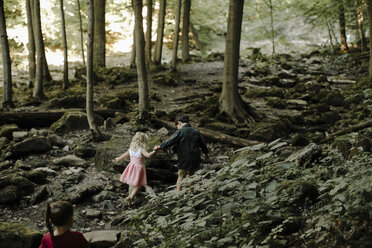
column 182, row 118
column 59, row 213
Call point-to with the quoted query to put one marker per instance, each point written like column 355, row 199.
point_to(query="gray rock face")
column 30, row 145
column 16, row 235
column 70, row 161
column 103, row 239
column 72, row 121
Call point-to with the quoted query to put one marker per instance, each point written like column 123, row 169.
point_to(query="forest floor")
column 278, row 90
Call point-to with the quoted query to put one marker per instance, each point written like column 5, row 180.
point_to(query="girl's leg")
column 132, row 194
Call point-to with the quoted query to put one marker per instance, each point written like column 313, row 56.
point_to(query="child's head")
column 59, row 213
column 139, row 141
column 181, row 119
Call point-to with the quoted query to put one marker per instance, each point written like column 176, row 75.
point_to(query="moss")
column 220, row 126
column 275, row 102
column 270, row 130
column 7, row 130
column 165, row 80
column 260, row 93
column 16, row 235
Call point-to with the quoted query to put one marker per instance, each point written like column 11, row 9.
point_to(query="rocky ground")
column 295, row 101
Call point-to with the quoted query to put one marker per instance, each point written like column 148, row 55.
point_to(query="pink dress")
column 135, row 172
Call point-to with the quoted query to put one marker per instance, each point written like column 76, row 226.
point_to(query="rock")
column 20, row 164
column 71, row 171
column 15, row 235
column 103, row 239
column 70, row 161
column 5, row 165
column 7, row 130
column 108, row 124
column 37, row 176
column 3, row 142
column 330, row 117
column 300, row 140
column 269, row 131
column 56, row 140
column 84, row 151
column 79, row 193
column 73, row 121
column 30, row 145
column 49, row 171
column 307, row 154
column 68, row 102
column 36, row 161
column 162, row 131
column 302, row 193
column 39, row 195
column 8, row 194
column 104, row 195
column 19, row 135
column 93, row 214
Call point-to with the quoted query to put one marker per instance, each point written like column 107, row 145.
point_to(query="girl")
column 135, row 172
column 60, row 214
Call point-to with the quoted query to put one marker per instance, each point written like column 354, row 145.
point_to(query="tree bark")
column 195, row 36
column 160, row 33
column 7, row 70
column 231, row 102
column 99, row 54
column 185, row 30
column 369, row 3
column 176, row 36
column 330, row 36
column 64, row 42
column 81, row 32
column 148, row 32
column 31, row 43
column 133, row 53
column 360, row 19
column 39, row 43
column 143, row 91
column 89, row 98
column 272, row 28
column 350, row 129
column 341, row 11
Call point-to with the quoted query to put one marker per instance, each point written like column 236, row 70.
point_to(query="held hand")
column 156, row 148
column 115, row 160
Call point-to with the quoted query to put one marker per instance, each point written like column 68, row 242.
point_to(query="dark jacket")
column 188, row 142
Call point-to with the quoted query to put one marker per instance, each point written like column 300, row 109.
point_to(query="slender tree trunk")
column 369, row 3
column 148, row 32
column 46, row 72
column 272, row 27
column 143, row 91
column 64, row 41
column 89, row 98
column 231, row 102
column 330, row 36
column 176, row 35
column 31, row 43
column 185, row 30
column 360, row 19
column 7, row 70
column 195, row 36
column 160, row 33
column 99, row 54
column 341, row 9
column 81, row 32
column 39, row 43
column 133, row 54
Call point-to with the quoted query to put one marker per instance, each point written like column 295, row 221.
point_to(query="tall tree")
column 89, row 97
column 185, row 30
column 81, row 32
column 39, row 44
column 133, row 53
column 360, row 19
column 99, row 54
column 341, row 16
column 231, row 102
column 160, row 33
column 31, row 43
column 272, row 27
column 148, row 31
column 176, row 35
column 369, row 4
column 7, row 71
column 195, row 37
column 64, row 42
column 143, row 90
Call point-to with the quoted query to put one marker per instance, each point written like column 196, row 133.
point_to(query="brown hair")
column 59, row 214
column 182, row 118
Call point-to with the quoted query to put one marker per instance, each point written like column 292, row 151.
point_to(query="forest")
column 281, row 91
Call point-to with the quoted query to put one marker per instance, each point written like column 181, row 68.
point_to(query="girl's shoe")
column 129, row 201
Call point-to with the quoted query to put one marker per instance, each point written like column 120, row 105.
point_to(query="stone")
column 7, row 130
column 19, row 135
column 162, row 131
column 71, row 171
column 84, row 151
column 104, row 195
column 73, row 121
column 56, row 140
column 36, row 161
column 79, row 193
column 5, row 165
column 70, row 161
column 20, row 164
column 16, row 235
column 39, row 195
column 9, row 194
column 30, row 145
column 93, row 214
column 103, row 239
column 49, row 171
column 330, row 117
column 306, row 154
column 37, row 176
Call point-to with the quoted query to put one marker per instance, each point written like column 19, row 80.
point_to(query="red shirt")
column 68, row 239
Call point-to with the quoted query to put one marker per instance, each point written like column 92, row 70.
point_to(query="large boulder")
column 72, row 121
column 103, row 239
column 69, row 161
column 16, row 235
column 36, row 144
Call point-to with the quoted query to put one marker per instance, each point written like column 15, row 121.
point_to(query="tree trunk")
column 39, row 43
column 185, row 30
column 148, row 32
column 330, row 36
column 133, row 54
column 272, row 28
column 99, row 55
column 31, row 43
column 81, row 32
column 369, row 3
column 89, row 98
column 7, row 70
column 160, row 33
column 46, row 72
column 176, row 36
column 143, row 90
column 64, row 42
column 341, row 9
column 231, row 102
column 195, row 36
column 360, row 19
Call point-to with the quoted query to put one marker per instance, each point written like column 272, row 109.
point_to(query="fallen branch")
column 349, row 129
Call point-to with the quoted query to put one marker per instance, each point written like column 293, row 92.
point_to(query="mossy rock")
column 248, row 155
column 270, row 80
column 332, row 98
column 260, row 93
column 16, row 235
column 343, row 145
column 7, row 131
column 275, row 102
column 9, row 194
column 330, row 117
column 84, row 151
column 270, row 130
column 73, row 121
column 165, row 80
column 303, row 193
column 68, row 102
column 117, row 75
column 31, row 145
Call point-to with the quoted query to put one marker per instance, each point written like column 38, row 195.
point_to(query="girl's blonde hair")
column 139, row 141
